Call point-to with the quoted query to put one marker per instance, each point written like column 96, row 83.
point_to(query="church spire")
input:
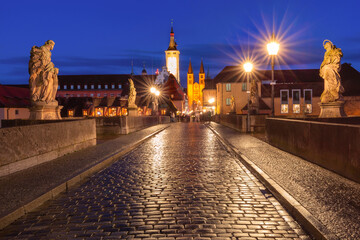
column 172, row 44
column 190, row 71
column 202, row 67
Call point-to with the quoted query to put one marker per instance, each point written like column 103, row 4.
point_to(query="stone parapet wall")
column 238, row 122
column 26, row 146
column 330, row 145
column 127, row 124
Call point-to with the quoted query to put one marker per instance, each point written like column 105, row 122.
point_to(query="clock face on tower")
column 172, row 65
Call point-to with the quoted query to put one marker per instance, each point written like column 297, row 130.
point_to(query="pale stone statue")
column 132, row 95
column 233, row 106
column 329, row 71
column 43, row 79
column 254, row 96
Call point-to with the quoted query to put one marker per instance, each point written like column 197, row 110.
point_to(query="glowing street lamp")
column 156, row 94
column 273, row 48
column 248, row 66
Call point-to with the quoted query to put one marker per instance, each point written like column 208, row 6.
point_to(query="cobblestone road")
column 180, row 184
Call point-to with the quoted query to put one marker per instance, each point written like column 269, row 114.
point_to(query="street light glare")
column 273, row 48
column 211, row 100
column 157, row 93
column 152, row 90
column 248, row 67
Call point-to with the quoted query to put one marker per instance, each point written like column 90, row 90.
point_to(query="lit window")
column 284, row 96
column 85, row 112
column 71, row 113
column 91, row 95
column 78, row 87
column 98, row 94
column 296, row 100
column 106, row 86
column 244, row 87
column 99, row 86
column 92, row 86
column 308, row 100
column 85, row 86
column 58, row 87
column 228, row 87
column 113, row 86
column 65, row 87
column 99, row 112
column 228, row 101
column 71, row 86
column 119, row 86
column 112, row 112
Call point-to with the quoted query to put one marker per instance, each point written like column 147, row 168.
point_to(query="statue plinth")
column 45, row 111
column 132, row 111
column 332, row 110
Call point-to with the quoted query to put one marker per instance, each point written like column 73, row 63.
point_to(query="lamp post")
column 273, row 48
column 248, row 68
column 156, row 94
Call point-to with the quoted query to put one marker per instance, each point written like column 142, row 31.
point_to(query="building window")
column 79, row 95
column 308, row 100
column 99, row 86
column 112, row 86
column 284, row 96
column 111, row 94
column 244, row 87
column 105, row 94
column 16, row 112
column 228, row 101
column 228, row 87
column 98, row 94
column 106, row 86
column 85, row 112
column 91, row 95
column 119, row 94
column 92, row 86
column 85, row 95
column 99, row 112
column 71, row 95
column 71, row 113
column 65, row 87
column 296, row 100
column 58, row 87
column 119, row 86
column 78, row 87
column 85, row 86
column 71, row 86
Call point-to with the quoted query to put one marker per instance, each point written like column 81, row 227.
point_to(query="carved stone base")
column 133, row 112
column 45, row 111
column 332, row 110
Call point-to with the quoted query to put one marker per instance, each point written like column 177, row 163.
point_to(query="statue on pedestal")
column 332, row 102
column 132, row 108
column 43, row 83
column 254, row 97
column 232, row 105
column 329, row 71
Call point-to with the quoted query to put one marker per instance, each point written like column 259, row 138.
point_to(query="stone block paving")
column 181, row 184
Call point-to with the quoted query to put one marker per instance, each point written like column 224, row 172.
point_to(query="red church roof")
column 173, row 89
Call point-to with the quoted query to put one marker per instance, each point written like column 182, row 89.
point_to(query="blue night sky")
column 103, row 37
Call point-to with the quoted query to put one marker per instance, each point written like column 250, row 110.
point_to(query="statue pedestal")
column 45, row 111
column 132, row 111
column 332, row 110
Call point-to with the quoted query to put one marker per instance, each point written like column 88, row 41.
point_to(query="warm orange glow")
column 211, row 100
column 248, row 66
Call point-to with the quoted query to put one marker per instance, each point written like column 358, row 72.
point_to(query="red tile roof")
column 11, row 96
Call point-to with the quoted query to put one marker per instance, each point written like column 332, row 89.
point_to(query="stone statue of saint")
column 132, row 94
column 329, row 71
column 254, row 96
column 232, row 105
column 43, row 79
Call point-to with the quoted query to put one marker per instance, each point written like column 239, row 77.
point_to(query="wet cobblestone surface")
column 181, row 184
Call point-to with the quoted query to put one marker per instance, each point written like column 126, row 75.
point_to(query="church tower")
column 172, row 57
column 190, row 86
column 201, row 82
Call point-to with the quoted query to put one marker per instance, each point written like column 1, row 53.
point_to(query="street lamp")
column 156, row 93
column 248, row 66
column 273, row 48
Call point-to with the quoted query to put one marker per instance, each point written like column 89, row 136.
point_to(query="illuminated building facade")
column 194, row 89
column 172, row 56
